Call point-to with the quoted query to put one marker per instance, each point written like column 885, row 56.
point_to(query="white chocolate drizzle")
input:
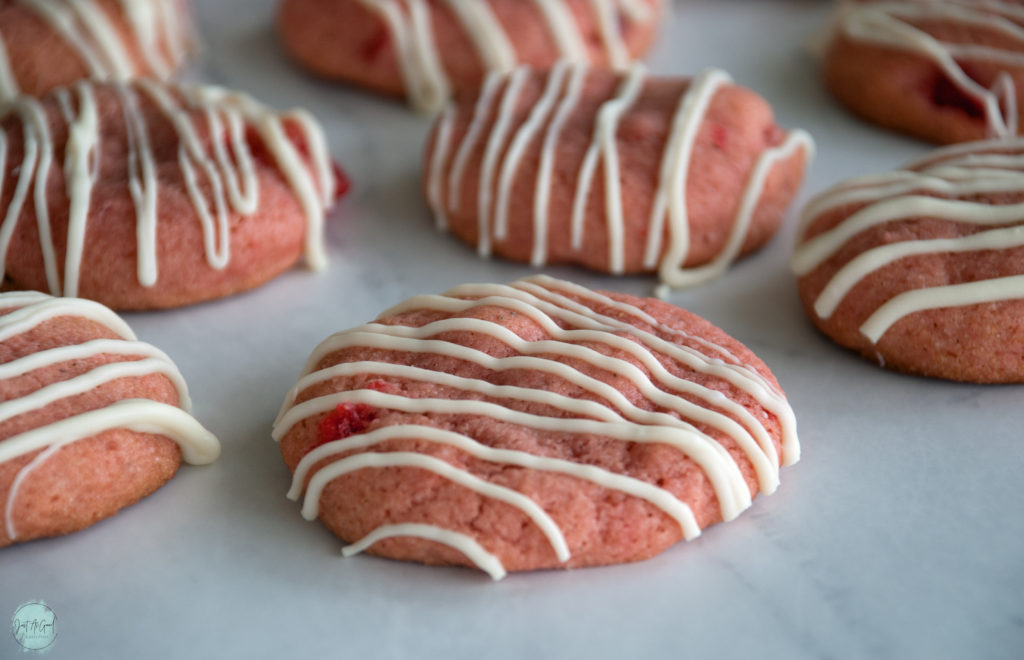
column 29, row 310
column 938, row 187
column 544, row 124
column 583, row 341
column 409, row 23
column 467, row 545
column 220, row 175
column 899, row 25
column 158, row 29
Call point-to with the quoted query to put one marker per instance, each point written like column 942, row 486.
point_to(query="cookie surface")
column 922, row 269
column 53, row 43
column 145, row 195
column 91, row 420
column 531, row 425
column 425, row 50
column 946, row 71
column 622, row 173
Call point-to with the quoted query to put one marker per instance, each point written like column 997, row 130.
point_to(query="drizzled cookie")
column 424, row 50
column 922, row 269
column 46, row 44
column 532, row 425
column 946, row 71
column 91, row 420
column 143, row 195
column 622, row 173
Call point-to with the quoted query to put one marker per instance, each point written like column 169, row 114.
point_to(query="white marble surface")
column 899, row 534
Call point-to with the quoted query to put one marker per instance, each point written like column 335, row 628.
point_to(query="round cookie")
column 922, row 269
column 144, row 195
column 532, row 425
column 945, row 71
column 52, row 43
column 91, row 420
column 423, row 49
column 623, row 173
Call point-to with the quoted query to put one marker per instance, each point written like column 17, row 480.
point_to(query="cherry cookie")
column 623, row 173
column 532, row 425
column 91, row 420
column 942, row 70
column 422, row 49
column 922, row 269
column 52, row 43
column 143, row 195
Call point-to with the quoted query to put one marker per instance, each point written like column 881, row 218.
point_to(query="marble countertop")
column 898, row 535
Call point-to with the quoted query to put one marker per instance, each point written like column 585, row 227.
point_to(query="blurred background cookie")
column 945, row 71
column 145, row 195
column 922, row 269
column 618, row 172
column 51, row 43
column 424, row 50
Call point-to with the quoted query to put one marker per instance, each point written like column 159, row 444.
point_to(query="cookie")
column 91, row 419
column 532, row 425
column 944, row 71
column 423, row 50
column 922, row 269
column 46, row 44
column 622, row 173
column 144, row 195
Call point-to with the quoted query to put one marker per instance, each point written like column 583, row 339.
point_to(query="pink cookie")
column 146, row 195
column 51, row 44
column 423, row 49
column 623, row 173
column 922, row 269
column 945, row 71
column 91, row 420
column 532, row 425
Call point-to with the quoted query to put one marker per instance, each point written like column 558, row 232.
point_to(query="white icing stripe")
column 325, row 475
column 86, row 382
column 678, row 276
column 895, row 25
column 662, row 499
column 490, row 161
column 94, row 348
column 437, row 159
column 724, row 474
column 468, row 546
column 426, row 82
column 81, row 166
column 871, row 260
column 957, row 173
column 575, row 328
column 519, row 143
column 565, row 345
column 581, row 408
column 218, row 182
column 820, row 248
column 198, row 446
column 485, row 31
column 953, row 295
column 562, row 25
column 46, row 308
column 669, row 199
column 481, row 113
column 602, row 150
column 156, row 30
column 543, row 185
